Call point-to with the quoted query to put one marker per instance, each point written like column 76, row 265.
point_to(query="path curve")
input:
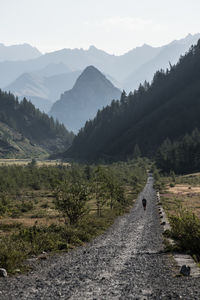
column 126, row 262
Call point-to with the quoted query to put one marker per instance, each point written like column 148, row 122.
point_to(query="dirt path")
column 126, row 262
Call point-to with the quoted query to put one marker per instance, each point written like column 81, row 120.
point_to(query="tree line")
column 181, row 156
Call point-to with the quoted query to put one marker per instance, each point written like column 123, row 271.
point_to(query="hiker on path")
column 144, row 203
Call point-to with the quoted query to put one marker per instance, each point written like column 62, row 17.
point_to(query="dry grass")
column 193, row 174
column 23, row 162
column 184, row 189
column 182, row 195
column 42, row 211
column 29, row 222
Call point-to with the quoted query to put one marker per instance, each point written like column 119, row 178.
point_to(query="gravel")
column 127, row 262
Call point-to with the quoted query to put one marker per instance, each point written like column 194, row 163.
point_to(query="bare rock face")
column 3, row 273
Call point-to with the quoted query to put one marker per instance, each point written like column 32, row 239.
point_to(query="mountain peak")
column 146, row 46
column 91, row 70
column 92, row 48
column 91, row 92
column 91, row 76
column 189, row 38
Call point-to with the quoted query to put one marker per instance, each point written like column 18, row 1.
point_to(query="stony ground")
column 127, row 262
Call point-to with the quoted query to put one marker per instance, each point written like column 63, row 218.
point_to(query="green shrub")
column 15, row 213
column 10, row 227
column 44, row 205
column 12, row 254
column 2, row 209
column 62, row 246
column 185, row 229
column 26, row 206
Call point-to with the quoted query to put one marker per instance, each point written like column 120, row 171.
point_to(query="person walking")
column 144, row 203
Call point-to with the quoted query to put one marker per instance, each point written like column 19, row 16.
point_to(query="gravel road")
column 126, row 262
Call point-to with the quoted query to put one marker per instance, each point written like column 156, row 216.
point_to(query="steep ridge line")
column 126, row 262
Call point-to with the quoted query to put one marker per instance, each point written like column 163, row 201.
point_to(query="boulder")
column 185, row 270
column 3, row 273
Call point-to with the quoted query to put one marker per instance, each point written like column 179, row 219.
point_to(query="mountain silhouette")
column 91, row 92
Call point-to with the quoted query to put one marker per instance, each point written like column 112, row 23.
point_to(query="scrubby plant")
column 70, row 200
column 185, row 229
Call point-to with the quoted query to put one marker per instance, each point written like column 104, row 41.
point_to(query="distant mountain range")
column 142, row 119
column 18, row 52
column 167, row 108
column 42, row 80
column 91, row 92
column 119, row 67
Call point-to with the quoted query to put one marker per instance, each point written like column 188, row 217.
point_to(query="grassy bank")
column 180, row 197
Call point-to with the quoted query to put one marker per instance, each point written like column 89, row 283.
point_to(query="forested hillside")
column 181, row 156
column 168, row 107
column 29, row 123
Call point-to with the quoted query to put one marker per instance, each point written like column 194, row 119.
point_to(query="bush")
column 26, row 206
column 44, row 205
column 185, row 229
column 71, row 201
column 15, row 213
column 12, row 254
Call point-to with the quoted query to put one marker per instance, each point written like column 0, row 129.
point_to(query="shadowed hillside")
column 22, row 121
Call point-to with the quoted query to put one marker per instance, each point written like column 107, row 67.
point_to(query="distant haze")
column 114, row 26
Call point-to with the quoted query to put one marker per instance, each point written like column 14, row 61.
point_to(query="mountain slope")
column 53, row 69
column 32, row 125
column 91, row 92
column 42, row 91
column 169, row 107
column 167, row 55
column 18, row 52
column 14, row 145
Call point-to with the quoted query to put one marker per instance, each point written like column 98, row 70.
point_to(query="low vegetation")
column 55, row 208
column 180, row 197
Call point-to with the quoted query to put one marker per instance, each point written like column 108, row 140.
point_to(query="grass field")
column 23, row 162
column 37, row 207
column 184, row 194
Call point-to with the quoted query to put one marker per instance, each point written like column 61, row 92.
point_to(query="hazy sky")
column 115, row 26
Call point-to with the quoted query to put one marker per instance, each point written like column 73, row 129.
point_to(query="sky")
column 115, row 26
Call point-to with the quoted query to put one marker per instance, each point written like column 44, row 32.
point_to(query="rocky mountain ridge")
column 91, row 92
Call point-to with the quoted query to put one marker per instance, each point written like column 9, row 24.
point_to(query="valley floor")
column 126, row 262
